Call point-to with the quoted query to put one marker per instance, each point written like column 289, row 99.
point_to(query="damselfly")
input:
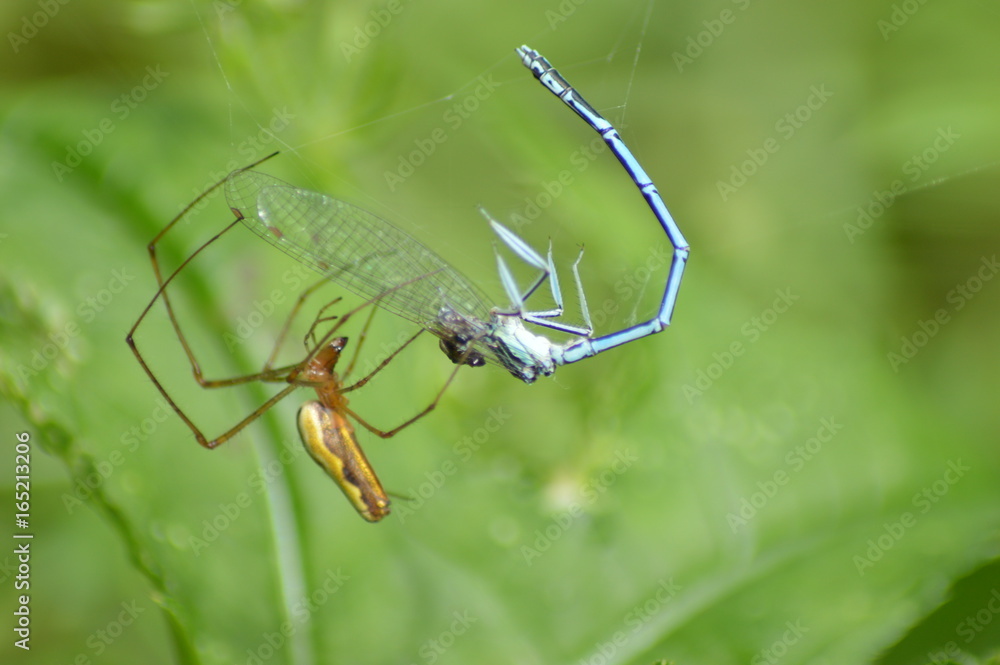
column 369, row 256
column 587, row 345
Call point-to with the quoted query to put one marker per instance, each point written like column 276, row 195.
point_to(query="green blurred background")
column 802, row 469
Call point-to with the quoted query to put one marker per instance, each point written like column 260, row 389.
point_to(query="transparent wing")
column 354, row 248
